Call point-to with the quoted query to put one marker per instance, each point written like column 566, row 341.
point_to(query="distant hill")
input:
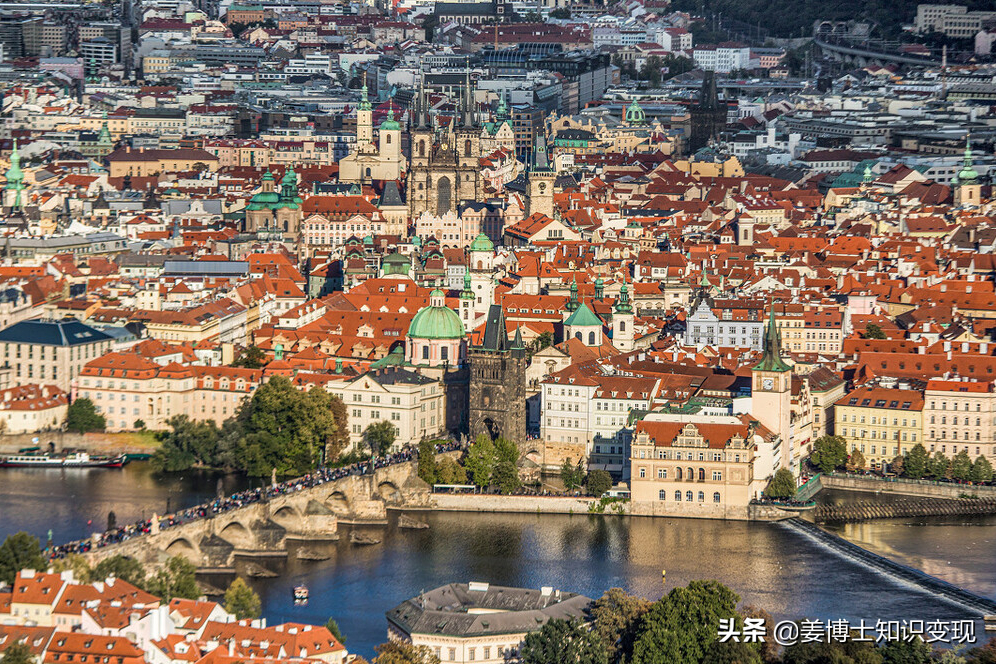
column 785, row 18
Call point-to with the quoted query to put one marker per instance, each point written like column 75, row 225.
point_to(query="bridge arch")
column 389, row 492
column 237, row 535
column 287, row 517
column 338, row 502
column 182, row 546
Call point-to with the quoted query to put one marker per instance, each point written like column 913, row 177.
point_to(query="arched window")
column 577, row 335
column 388, row 139
column 701, row 496
column 368, row 172
column 421, row 148
column 691, row 473
column 591, row 338
column 466, row 148
column 425, row 352
column 444, row 353
column 715, row 497
column 689, row 497
column 622, row 326
column 662, row 495
column 677, row 473
column 701, row 474
column 677, row 496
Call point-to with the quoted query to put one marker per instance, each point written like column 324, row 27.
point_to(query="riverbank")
column 96, row 443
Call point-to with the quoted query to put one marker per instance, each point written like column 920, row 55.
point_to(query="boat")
column 300, row 595
column 70, row 460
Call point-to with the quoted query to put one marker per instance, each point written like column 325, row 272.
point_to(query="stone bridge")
column 265, row 528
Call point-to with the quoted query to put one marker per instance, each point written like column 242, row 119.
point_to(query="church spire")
column 622, row 305
column 968, row 174
column 772, row 359
column 364, row 101
column 572, row 304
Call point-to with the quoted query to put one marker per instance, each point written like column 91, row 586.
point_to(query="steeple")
column 467, row 103
column 772, row 359
column 468, row 292
column 572, row 304
column 622, row 305
column 968, row 174
column 15, row 177
column 517, row 343
column 421, row 112
column 364, row 101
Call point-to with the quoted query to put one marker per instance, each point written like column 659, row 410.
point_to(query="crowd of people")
column 240, row 499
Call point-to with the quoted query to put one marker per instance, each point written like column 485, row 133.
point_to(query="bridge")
column 863, row 56
column 265, row 528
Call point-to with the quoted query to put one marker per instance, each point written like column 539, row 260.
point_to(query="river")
column 767, row 565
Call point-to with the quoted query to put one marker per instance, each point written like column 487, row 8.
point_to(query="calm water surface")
column 766, row 564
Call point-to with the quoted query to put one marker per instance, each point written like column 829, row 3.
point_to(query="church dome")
column 635, row 114
column 390, row 124
column 482, row 243
column 437, row 321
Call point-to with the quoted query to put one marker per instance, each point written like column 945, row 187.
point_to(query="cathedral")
column 445, row 168
column 382, row 160
column 273, row 212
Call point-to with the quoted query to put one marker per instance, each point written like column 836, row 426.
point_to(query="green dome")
column 436, row 322
column 635, row 114
column 390, row 124
column 482, row 243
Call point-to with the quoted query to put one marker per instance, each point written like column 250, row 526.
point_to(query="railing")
column 909, row 480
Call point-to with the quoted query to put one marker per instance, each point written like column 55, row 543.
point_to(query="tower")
column 497, row 401
column 15, row 180
column 481, row 270
column 623, row 334
column 539, row 195
column 771, row 383
column 390, row 136
column 708, row 116
column 968, row 191
column 467, row 314
column 745, row 231
column 364, row 119
column 572, row 304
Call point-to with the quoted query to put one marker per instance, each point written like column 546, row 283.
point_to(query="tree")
column 768, row 648
column 856, row 461
column 961, row 466
column 120, row 567
column 544, row 340
column 480, row 461
column 450, row 472
column 400, row 652
column 252, row 357
column 140, row 424
column 18, row 652
column 560, row 12
column 242, row 601
column 563, row 642
column 651, row 71
column 616, row 616
column 20, row 551
column 333, row 627
column 188, row 444
column 906, row 652
column 982, row 470
column 679, row 627
column 506, row 450
column 572, row 476
column 781, row 486
column 829, row 453
column 916, row 462
column 939, row 466
column 506, row 477
column 380, row 436
column 896, row 465
column 982, row 655
column 849, row 652
column 675, row 65
column 338, row 440
column 731, row 652
column 280, row 428
column 177, row 578
column 76, row 564
column 598, row 482
column 427, row 469
column 82, row 416
column 873, row 331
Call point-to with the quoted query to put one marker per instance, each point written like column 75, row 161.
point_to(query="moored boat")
column 71, row 460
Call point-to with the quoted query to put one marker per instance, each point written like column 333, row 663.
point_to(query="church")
column 445, row 172
column 370, row 161
column 273, row 212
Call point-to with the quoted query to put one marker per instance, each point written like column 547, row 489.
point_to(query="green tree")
column 186, row 445
column 544, row 340
column 873, row 331
column 506, row 450
column 252, row 357
column 380, row 436
column 427, row 468
column 768, row 648
column 82, row 416
column 20, row 551
column 563, row 642
column 140, row 424
column 982, row 655
column 616, row 616
column 177, row 578
column 651, row 71
column 338, row 440
column 781, row 486
column 333, row 627
column 401, row 652
column 120, row 567
column 450, row 472
column 76, row 564
column 281, row 428
column 916, row 462
column 598, row 482
column 675, row 65
column 939, row 466
column 506, row 477
column 982, row 470
column 560, row 12
column 906, row 652
column 829, row 453
column 731, row 652
column 679, row 627
column 242, row 601
column 849, row 652
column 18, row 652
column 480, row 461
column 961, row 466
column 856, row 461
column 896, row 465
column 572, row 475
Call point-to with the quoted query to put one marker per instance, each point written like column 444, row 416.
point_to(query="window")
column 444, row 353
column 425, row 352
column 662, row 495
column 701, row 496
column 662, row 474
column 643, row 472
column 677, row 496
column 689, row 497
column 716, row 497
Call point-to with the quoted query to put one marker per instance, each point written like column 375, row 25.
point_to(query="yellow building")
column 142, row 162
column 881, row 423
